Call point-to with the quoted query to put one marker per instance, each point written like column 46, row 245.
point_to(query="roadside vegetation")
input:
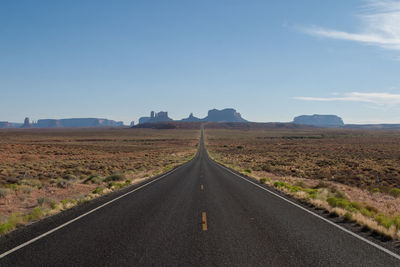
column 351, row 174
column 43, row 172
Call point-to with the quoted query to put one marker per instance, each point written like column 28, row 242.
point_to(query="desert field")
column 45, row 171
column 354, row 173
column 358, row 158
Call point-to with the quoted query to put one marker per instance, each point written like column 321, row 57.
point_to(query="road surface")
column 202, row 215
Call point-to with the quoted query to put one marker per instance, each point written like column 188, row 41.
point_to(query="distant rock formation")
column 155, row 117
column 214, row 115
column 225, row 115
column 132, row 123
column 48, row 123
column 27, row 123
column 77, row 122
column 319, row 120
column 191, row 118
column 6, row 124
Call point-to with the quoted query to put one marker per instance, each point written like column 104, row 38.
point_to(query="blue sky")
column 271, row 60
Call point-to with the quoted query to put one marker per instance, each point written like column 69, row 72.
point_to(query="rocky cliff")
column 319, row 120
column 225, row 115
column 155, row 117
column 77, row 122
column 6, row 124
column 214, row 115
column 191, row 118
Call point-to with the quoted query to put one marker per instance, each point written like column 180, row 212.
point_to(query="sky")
column 270, row 60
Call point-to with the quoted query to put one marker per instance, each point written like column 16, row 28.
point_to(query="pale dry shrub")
column 373, row 225
column 339, row 211
column 4, row 192
column 323, row 193
column 300, row 195
column 321, row 204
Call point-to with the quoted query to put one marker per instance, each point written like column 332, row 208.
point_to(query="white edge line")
column 316, row 215
column 87, row 213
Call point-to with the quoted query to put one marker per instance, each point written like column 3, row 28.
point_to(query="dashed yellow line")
column 204, row 220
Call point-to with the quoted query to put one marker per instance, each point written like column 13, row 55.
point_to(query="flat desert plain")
column 351, row 173
column 45, row 171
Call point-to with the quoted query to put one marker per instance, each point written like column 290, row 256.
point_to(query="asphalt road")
column 202, row 215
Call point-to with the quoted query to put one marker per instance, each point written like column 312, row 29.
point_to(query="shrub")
column 264, row 180
column 338, row 202
column 247, row 170
column 82, row 200
column 367, row 212
column 266, row 168
column 61, row 183
column 396, row 221
column 26, row 189
column 239, row 147
column 98, row 190
column 311, row 192
column 376, row 190
column 295, row 189
column 4, row 192
column 348, row 216
column 35, row 214
column 41, row 200
column 53, row 204
column 93, row 179
column 65, row 203
column 12, row 221
column 12, row 186
column 332, row 201
column 70, row 177
column 371, row 208
column 356, row 205
column 340, row 194
column 114, row 177
column 279, row 184
column 6, row 227
column 31, row 183
column 116, row 185
column 395, row 192
column 15, row 219
column 167, row 168
column 44, row 200
column 384, row 220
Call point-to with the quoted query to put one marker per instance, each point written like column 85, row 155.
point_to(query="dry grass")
column 360, row 158
column 57, row 169
column 354, row 174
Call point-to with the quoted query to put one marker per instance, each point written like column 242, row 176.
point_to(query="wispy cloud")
column 380, row 26
column 374, row 98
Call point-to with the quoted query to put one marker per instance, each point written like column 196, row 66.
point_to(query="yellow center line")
column 204, row 220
